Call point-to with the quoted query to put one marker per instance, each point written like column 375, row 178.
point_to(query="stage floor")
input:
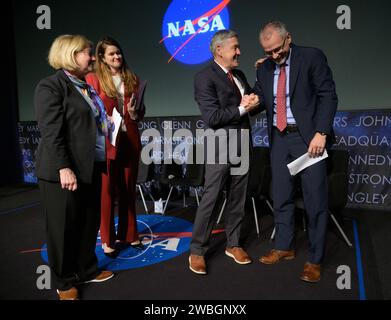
column 22, row 240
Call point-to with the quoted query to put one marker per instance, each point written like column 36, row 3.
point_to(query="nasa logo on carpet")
column 163, row 238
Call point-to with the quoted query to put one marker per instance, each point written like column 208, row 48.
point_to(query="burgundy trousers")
column 119, row 183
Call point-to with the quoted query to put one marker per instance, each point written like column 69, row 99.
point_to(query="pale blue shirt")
column 289, row 116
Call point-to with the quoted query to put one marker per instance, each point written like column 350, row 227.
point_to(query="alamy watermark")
column 44, row 280
column 344, row 281
column 222, row 146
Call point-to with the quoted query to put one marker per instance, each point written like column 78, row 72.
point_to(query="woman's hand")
column 68, row 179
column 132, row 107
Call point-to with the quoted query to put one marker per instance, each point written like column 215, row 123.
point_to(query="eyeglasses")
column 276, row 50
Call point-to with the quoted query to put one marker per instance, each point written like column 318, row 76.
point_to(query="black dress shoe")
column 109, row 252
column 138, row 245
column 112, row 255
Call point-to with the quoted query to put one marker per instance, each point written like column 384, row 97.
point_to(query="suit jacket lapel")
column 220, row 72
column 242, row 81
column 269, row 84
column 61, row 74
column 294, row 70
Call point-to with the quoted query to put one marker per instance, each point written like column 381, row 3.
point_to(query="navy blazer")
column 68, row 129
column 217, row 100
column 313, row 99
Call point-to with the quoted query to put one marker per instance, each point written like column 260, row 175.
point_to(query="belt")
column 290, row 128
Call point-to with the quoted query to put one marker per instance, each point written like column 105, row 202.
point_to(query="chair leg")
column 150, row 195
column 142, row 197
column 269, row 205
column 221, row 211
column 273, row 234
column 184, row 197
column 340, row 230
column 168, row 198
column 304, row 223
column 255, row 217
column 274, row 229
column 198, row 200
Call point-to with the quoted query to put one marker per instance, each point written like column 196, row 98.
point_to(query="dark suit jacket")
column 217, row 100
column 312, row 92
column 219, row 103
column 68, row 129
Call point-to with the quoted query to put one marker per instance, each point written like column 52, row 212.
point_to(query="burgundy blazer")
column 110, row 103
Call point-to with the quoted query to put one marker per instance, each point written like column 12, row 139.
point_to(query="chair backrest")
column 170, row 172
column 188, row 174
column 337, row 173
column 145, row 172
column 260, row 172
column 194, row 174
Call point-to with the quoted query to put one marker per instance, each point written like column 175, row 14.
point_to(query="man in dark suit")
column 296, row 88
column 221, row 92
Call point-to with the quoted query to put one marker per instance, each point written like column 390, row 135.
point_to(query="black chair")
column 145, row 174
column 337, row 177
column 259, row 182
column 178, row 175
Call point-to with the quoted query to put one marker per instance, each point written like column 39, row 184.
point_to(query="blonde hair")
column 63, row 51
column 104, row 75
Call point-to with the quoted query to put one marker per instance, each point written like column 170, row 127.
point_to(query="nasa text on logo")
column 189, row 25
column 163, row 238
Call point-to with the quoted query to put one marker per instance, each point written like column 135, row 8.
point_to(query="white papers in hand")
column 304, row 162
column 116, row 117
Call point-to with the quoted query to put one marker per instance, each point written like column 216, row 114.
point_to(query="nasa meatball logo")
column 188, row 27
column 163, row 238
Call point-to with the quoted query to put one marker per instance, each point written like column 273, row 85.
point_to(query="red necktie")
column 231, row 78
column 281, row 99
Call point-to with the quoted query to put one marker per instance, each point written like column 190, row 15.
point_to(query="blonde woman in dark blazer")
column 70, row 159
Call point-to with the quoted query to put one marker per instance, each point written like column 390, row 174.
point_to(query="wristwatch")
column 322, row 133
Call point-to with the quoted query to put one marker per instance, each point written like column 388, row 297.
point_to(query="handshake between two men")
column 250, row 102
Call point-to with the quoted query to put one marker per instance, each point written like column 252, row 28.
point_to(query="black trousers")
column 72, row 225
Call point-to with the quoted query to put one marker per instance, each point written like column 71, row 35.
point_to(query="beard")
column 283, row 59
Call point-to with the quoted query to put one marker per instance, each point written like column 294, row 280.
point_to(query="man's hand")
column 250, row 102
column 259, row 62
column 68, row 179
column 132, row 107
column 317, row 145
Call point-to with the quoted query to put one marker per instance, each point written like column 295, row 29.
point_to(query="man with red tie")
column 296, row 87
column 225, row 100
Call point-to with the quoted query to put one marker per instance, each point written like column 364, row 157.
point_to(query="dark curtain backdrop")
column 10, row 155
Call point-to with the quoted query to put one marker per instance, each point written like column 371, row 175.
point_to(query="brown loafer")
column 275, row 256
column 197, row 264
column 101, row 277
column 70, row 294
column 311, row 272
column 238, row 254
